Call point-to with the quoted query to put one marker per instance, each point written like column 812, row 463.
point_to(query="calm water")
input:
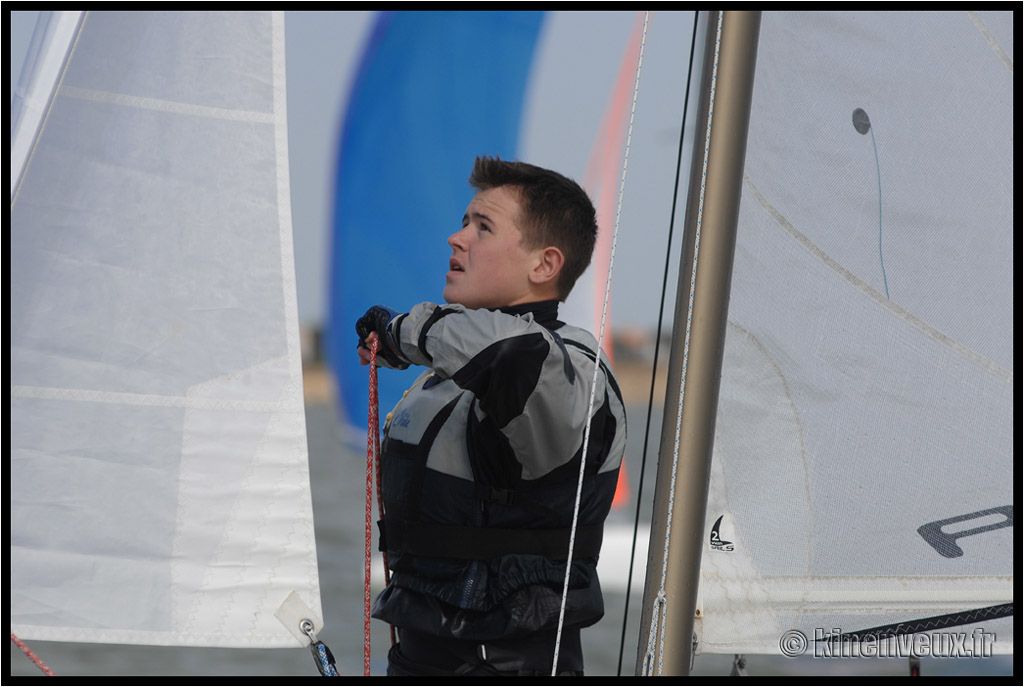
column 337, row 465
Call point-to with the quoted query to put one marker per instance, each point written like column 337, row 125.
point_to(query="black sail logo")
column 945, row 542
column 717, row 543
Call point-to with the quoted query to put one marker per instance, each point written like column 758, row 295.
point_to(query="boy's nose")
column 456, row 239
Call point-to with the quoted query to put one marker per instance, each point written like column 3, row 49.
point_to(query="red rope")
column 380, row 512
column 372, row 448
column 28, row 652
column 372, row 470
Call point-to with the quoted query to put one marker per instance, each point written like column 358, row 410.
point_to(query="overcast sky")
column 322, row 48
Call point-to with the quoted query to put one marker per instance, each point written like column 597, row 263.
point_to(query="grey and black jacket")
column 480, row 464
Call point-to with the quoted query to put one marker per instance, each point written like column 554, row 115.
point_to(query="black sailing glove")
column 377, row 319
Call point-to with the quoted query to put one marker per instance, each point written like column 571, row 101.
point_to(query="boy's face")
column 489, row 268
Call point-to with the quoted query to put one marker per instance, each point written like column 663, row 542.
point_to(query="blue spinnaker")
column 434, row 90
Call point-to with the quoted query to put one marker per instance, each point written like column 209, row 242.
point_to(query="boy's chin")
column 452, row 298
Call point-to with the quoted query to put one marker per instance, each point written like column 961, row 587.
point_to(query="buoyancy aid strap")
column 510, row 497
column 481, row 543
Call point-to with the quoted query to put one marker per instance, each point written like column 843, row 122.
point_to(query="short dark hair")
column 555, row 211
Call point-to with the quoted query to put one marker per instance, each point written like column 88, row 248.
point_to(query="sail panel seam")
column 154, row 400
column 911, row 319
column 992, row 42
column 158, row 105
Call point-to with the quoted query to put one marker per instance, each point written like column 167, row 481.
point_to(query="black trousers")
column 417, row 654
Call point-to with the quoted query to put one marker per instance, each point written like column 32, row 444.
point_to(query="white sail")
column 863, row 466
column 159, row 483
column 46, row 57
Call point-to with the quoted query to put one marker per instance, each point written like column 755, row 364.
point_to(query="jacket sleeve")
column 534, row 388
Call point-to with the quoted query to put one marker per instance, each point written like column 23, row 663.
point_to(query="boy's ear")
column 547, row 267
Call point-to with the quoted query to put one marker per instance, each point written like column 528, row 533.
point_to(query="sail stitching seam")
column 874, row 294
column 991, row 40
column 154, row 400
column 157, row 105
column 295, row 469
column 295, row 387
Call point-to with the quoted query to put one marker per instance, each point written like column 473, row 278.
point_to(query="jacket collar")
column 544, row 312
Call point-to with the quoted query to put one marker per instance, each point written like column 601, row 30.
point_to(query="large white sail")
column 863, row 466
column 159, row 484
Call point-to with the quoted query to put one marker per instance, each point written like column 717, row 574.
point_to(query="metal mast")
column 712, row 213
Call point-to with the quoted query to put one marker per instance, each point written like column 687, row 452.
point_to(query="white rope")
column 659, row 609
column 600, row 341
